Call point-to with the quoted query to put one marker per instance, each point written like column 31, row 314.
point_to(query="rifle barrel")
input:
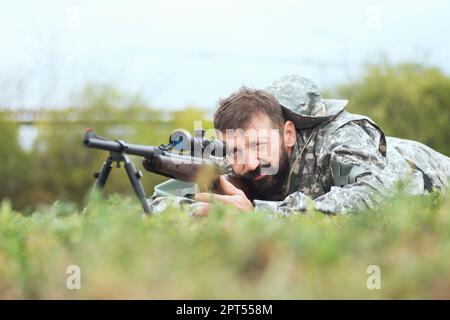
column 92, row 141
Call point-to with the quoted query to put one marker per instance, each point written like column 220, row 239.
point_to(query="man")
column 323, row 155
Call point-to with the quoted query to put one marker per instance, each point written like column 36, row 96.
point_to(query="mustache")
column 250, row 175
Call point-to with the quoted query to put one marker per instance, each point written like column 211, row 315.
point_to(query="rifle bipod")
column 133, row 174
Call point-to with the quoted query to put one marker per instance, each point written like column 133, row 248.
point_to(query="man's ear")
column 289, row 134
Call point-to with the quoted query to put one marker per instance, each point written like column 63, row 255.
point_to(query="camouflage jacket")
column 347, row 165
column 341, row 162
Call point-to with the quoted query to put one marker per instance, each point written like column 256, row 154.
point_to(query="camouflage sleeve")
column 362, row 176
column 293, row 203
column 159, row 205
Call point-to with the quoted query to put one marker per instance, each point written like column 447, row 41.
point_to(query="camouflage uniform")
column 343, row 162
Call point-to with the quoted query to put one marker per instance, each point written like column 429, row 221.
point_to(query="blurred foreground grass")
column 226, row 255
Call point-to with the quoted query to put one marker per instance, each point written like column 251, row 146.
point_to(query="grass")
column 226, row 255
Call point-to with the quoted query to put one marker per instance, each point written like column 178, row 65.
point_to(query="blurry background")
column 136, row 70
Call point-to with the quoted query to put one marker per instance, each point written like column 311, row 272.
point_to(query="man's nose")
column 252, row 162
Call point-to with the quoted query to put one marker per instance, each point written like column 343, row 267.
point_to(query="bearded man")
column 291, row 148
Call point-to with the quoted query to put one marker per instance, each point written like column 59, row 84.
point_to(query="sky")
column 178, row 53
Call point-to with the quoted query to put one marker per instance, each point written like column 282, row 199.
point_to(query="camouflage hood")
column 300, row 100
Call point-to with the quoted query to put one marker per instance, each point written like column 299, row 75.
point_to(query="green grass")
column 226, row 255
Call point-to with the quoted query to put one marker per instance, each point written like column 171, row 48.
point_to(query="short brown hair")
column 236, row 111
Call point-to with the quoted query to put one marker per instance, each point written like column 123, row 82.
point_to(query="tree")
column 407, row 100
column 16, row 172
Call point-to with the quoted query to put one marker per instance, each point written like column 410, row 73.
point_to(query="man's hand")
column 232, row 195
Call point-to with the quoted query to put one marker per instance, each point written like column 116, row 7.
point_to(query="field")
column 228, row 254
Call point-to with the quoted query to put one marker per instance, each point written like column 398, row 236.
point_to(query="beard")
column 269, row 186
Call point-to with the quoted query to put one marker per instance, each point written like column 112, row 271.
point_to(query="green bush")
column 226, row 255
column 407, row 100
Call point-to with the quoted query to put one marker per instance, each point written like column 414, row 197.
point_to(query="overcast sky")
column 178, row 53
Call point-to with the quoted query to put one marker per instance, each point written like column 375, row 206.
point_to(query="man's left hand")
column 232, row 195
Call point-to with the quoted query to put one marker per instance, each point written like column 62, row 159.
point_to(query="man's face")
column 259, row 155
